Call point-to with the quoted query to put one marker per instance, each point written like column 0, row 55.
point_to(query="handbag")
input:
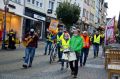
column 65, row 56
column 72, row 56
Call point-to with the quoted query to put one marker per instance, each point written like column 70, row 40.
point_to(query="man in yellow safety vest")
column 96, row 43
column 59, row 37
column 48, row 42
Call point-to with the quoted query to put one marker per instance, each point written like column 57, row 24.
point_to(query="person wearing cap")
column 76, row 44
column 59, row 37
column 85, row 49
column 32, row 39
column 64, row 46
column 96, row 43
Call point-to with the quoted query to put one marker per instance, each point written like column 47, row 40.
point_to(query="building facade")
column 34, row 16
column 25, row 14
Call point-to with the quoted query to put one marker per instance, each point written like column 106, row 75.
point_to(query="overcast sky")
column 113, row 8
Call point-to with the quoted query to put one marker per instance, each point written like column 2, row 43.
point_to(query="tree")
column 68, row 13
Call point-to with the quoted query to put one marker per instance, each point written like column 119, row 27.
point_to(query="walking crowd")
column 70, row 47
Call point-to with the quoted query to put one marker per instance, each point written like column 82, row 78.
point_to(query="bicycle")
column 53, row 53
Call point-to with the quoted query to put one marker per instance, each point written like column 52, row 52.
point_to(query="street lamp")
column 4, row 30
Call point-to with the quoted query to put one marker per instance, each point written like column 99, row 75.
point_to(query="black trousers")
column 74, row 64
column 84, row 52
column 59, row 53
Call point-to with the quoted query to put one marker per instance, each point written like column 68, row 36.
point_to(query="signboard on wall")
column 39, row 17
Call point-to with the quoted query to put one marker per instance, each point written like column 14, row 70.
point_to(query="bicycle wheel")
column 51, row 56
column 55, row 54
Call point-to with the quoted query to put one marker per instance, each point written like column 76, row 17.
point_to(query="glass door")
column 39, row 28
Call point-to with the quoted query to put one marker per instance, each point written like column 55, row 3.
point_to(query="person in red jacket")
column 85, row 49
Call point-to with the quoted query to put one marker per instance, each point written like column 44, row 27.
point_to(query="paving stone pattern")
column 11, row 66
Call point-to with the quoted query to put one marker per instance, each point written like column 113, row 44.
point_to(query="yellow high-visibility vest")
column 97, row 39
column 65, row 44
column 49, row 38
column 59, row 38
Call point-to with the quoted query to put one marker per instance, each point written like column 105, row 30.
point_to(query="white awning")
column 29, row 18
column 26, row 16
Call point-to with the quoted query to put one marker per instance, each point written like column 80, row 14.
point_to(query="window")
column 84, row 12
column 87, row 15
column 28, row 0
column 37, row 3
column 41, row 4
column 58, row 3
column 93, row 4
column 16, row 1
column 88, row 2
column 91, row 17
column 51, row 5
column 19, row 1
column 33, row 1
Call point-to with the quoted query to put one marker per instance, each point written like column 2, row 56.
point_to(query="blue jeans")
column 48, row 43
column 84, row 52
column 96, row 49
column 29, row 55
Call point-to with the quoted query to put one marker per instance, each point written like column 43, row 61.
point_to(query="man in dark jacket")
column 32, row 39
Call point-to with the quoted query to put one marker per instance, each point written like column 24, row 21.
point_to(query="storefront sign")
column 49, row 11
column 39, row 17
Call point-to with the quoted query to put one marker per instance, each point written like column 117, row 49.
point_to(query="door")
column 39, row 28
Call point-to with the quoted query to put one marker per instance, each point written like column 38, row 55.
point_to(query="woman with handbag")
column 64, row 50
column 76, row 44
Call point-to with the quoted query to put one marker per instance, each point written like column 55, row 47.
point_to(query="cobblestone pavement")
column 11, row 66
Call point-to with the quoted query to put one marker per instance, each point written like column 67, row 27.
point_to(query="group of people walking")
column 78, row 43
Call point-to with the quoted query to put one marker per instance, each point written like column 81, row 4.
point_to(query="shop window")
column 12, row 22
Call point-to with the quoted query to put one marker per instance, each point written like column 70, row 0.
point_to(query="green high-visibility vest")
column 97, row 39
